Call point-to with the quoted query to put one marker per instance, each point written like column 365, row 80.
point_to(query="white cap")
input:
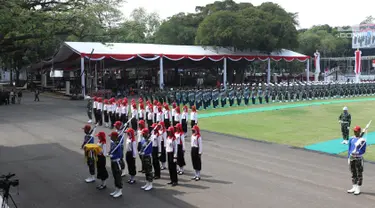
column 345, row 108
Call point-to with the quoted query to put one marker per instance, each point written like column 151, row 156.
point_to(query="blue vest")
column 356, row 151
column 88, row 139
column 116, row 151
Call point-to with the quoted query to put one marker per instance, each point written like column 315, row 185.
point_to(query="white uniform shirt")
column 131, row 146
column 105, row 107
column 134, row 113
column 156, row 141
column 124, row 109
column 163, row 136
column 194, row 117
column 196, row 142
column 184, row 115
column 166, row 114
column 114, row 106
column 147, row 109
column 104, row 148
column 141, row 114
column 159, row 117
column 171, row 146
column 173, row 112
column 150, row 117
column 99, row 106
column 180, row 139
column 155, row 109
column 94, row 104
column 177, row 117
column 118, row 109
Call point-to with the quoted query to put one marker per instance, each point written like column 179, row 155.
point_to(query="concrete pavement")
column 40, row 142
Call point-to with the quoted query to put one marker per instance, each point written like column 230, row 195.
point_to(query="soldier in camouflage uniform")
column 184, row 95
column 223, row 97
column 178, row 97
column 345, row 120
column 253, row 94
column 191, row 97
column 267, row 94
column 239, row 95
column 273, row 92
column 246, row 94
column 205, row 99
column 199, row 99
column 215, row 98
column 231, row 96
column 260, row 93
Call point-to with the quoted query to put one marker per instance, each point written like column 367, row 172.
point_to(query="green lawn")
column 297, row 126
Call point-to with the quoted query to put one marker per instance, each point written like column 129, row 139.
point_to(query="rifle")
column 366, row 128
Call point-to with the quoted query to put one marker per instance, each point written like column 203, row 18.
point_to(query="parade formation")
column 259, row 93
column 155, row 134
column 154, row 128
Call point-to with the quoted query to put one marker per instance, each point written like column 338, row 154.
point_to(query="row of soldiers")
column 246, row 94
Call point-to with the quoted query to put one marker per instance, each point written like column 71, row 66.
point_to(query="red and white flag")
column 358, row 59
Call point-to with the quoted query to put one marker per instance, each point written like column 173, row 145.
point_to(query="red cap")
column 101, row 134
column 145, row 131
column 87, row 127
column 357, row 129
column 154, row 125
column 113, row 134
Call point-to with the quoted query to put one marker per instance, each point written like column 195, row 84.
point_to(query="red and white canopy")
column 151, row 52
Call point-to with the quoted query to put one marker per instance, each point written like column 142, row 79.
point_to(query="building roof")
column 173, row 52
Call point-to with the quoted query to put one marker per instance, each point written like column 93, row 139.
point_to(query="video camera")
column 6, row 183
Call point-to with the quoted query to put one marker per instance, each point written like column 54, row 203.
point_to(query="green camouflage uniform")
column 345, row 119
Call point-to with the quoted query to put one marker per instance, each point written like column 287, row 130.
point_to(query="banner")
column 358, row 60
column 363, row 36
column 317, row 62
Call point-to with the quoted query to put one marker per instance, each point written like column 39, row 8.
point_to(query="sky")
column 316, row 12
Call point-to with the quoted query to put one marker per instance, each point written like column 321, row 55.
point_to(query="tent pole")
column 83, row 77
column 225, row 73
column 269, row 71
column 308, row 70
column 161, row 73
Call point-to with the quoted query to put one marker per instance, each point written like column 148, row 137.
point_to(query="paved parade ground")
column 40, row 142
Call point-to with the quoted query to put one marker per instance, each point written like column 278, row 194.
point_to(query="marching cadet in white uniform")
column 184, row 118
column 156, row 149
column 196, row 152
column 99, row 109
column 155, row 110
column 159, row 115
column 140, row 140
column 177, row 116
column 134, row 115
column 150, row 116
column 131, row 154
column 105, row 113
column 124, row 111
column 193, row 116
column 118, row 110
column 173, row 113
column 180, row 139
column 171, row 149
column 113, row 112
column 163, row 137
column 94, row 106
column 167, row 116
column 141, row 112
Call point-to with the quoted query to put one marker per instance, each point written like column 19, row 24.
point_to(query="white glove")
column 339, row 121
column 348, row 128
column 175, row 160
column 159, row 154
column 348, row 161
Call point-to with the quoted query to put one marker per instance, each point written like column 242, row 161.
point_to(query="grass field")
column 296, row 127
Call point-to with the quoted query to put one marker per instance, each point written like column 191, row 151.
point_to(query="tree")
column 369, row 20
column 179, row 29
column 33, row 30
column 265, row 28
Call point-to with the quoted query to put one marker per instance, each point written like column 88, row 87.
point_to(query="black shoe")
column 141, row 171
column 170, row 183
column 163, row 168
column 197, row 179
column 131, row 181
column 180, row 173
column 157, row 177
column 194, row 178
column 101, row 187
column 174, row 184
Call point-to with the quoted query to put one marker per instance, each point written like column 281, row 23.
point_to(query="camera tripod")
column 6, row 197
